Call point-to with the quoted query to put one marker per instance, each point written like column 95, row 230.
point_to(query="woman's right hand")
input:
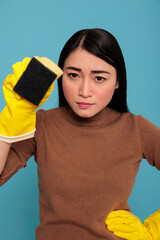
column 18, row 118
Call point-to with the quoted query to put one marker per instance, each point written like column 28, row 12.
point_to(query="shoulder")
column 139, row 122
column 126, row 118
column 44, row 118
column 42, row 114
column 129, row 120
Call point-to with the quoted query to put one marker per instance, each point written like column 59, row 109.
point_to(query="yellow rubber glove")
column 18, row 118
column 126, row 225
column 152, row 223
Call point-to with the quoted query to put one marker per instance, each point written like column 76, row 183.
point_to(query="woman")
column 89, row 149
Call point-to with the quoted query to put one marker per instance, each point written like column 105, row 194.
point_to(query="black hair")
column 102, row 44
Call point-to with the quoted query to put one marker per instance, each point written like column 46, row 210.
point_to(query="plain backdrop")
column 37, row 27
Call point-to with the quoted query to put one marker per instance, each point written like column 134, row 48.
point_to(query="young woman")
column 88, row 150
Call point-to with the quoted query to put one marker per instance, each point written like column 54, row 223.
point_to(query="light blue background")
column 36, row 27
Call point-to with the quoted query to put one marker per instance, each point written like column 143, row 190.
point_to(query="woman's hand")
column 126, row 225
column 18, row 118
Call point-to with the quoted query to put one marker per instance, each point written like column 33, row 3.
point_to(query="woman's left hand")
column 126, row 225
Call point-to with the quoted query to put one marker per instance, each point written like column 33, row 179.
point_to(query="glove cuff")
column 17, row 138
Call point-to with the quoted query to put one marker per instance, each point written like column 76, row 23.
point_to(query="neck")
column 97, row 120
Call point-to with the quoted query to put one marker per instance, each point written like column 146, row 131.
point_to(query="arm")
column 18, row 118
column 4, row 150
column 149, row 138
column 123, row 223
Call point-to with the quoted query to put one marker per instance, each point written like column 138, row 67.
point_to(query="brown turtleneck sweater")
column 86, row 168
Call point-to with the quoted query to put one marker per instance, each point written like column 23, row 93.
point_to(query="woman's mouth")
column 84, row 104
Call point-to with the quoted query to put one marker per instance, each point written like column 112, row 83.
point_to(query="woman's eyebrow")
column 100, row 71
column 74, row 68
column 93, row 71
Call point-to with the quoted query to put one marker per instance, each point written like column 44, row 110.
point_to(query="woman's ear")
column 117, row 85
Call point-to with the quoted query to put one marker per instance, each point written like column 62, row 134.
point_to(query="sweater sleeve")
column 149, row 135
column 19, row 154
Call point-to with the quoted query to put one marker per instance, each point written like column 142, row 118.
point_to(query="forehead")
column 81, row 58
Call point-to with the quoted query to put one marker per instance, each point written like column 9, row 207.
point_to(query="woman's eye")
column 100, row 79
column 73, row 75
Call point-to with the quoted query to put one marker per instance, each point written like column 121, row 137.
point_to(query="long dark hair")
column 103, row 45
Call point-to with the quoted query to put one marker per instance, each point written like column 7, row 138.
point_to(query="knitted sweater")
column 86, row 168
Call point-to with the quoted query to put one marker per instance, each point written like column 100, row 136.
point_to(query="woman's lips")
column 84, row 104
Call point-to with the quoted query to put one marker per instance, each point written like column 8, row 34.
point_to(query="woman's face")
column 88, row 83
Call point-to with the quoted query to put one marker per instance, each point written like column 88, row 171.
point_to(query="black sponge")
column 34, row 82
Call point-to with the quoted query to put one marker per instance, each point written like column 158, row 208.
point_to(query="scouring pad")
column 36, row 79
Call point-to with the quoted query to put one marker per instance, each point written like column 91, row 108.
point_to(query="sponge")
column 36, row 79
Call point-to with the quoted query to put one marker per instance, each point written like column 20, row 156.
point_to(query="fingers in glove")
column 129, row 236
column 8, row 86
column 121, row 213
column 120, row 220
column 20, row 67
column 121, row 228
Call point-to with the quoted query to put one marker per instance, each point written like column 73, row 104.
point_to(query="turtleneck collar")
column 100, row 119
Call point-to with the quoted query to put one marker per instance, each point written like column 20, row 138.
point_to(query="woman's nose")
column 85, row 88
